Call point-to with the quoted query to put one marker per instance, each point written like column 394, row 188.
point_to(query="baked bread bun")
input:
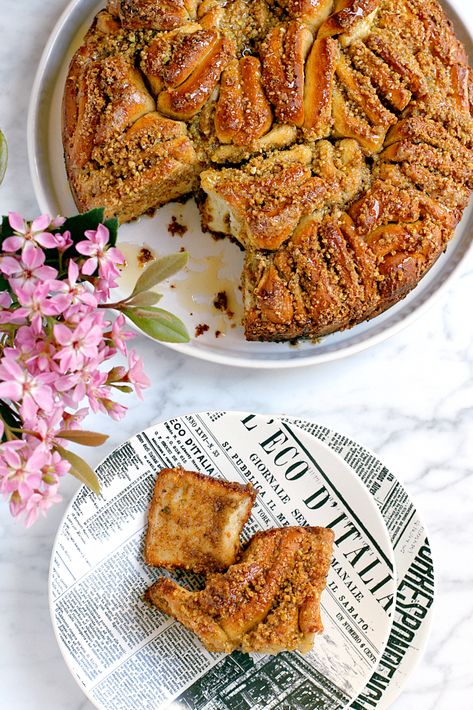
column 332, row 138
column 195, row 521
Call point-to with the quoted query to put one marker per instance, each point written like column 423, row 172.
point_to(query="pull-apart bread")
column 195, row 521
column 332, row 138
column 266, row 603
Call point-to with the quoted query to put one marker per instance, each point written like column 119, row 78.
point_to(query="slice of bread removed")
column 195, row 521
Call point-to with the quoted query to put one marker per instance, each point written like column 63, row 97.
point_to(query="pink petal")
column 102, row 235
column 116, row 255
column 11, row 390
column 9, row 265
column 12, row 243
column 56, row 305
column 88, row 299
column 28, row 409
column 31, row 517
column 32, row 257
column 86, row 248
column 39, row 458
column 46, row 240
column 72, row 272
column 62, row 334
column 45, row 273
column 11, row 457
column 58, row 222
column 89, row 266
column 41, row 223
column 17, row 222
column 16, row 507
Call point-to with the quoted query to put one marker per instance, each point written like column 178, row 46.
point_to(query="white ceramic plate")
column 213, row 266
column 128, row 656
column 415, row 569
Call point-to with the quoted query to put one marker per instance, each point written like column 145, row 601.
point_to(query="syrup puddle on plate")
column 195, row 289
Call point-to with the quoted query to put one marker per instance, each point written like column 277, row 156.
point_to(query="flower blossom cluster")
column 55, row 338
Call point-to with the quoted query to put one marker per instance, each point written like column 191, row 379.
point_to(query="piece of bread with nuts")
column 266, row 603
column 195, row 521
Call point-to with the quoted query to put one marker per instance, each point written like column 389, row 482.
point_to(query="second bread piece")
column 195, row 521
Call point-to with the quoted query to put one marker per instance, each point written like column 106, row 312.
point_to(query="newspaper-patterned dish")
column 214, row 265
column 415, row 569
column 128, row 656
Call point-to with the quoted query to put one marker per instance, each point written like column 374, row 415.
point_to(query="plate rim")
column 426, row 301
column 358, row 482
column 428, row 628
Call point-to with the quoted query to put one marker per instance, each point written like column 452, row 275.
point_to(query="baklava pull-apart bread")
column 266, row 603
column 332, row 138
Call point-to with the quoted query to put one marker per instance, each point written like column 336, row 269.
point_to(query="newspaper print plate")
column 128, row 656
column 415, row 569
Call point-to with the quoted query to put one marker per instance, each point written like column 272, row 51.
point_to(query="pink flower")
column 36, row 304
column 72, row 420
column 25, row 273
column 97, row 390
column 45, row 427
column 36, row 348
column 118, row 336
column 28, row 236
column 113, row 409
column 78, row 344
column 77, row 292
column 52, row 353
column 20, row 468
column 63, row 241
column 40, row 502
column 56, row 468
column 19, row 385
column 105, row 259
column 136, row 375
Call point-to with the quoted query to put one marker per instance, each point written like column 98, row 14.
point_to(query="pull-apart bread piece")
column 266, row 603
column 195, row 521
column 332, row 138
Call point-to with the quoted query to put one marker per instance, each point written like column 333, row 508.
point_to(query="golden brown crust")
column 195, row 521
column 348, row 15
column 184, row 100
column 256, row 88
column 283, row 57
column 149, row 14
column 268, row 602
column 319, row 79
column 243, row 113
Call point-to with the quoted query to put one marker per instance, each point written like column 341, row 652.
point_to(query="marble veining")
column 410, row 399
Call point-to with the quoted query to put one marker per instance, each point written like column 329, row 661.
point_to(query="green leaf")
column 78, row 224
column 112, row 226
column 123, row 388
column 3, row 156
column 159, row 324
column 145, row 298
column 5, row 229
column 82, row 437
column 80, row 470
column 160, row 270
column 3, row 282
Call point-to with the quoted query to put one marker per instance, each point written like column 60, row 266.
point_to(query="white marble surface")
column 410, row 399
